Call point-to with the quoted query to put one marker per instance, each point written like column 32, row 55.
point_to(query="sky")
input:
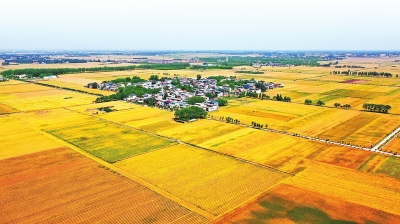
column 200, row 25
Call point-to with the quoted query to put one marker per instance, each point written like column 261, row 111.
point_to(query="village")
column 177, row 93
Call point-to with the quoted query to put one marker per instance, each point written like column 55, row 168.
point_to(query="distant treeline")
column 45, row 61
column 36, row 72
column 375, row 74
column 284, row 60
column 211, row 67
column 250, row 72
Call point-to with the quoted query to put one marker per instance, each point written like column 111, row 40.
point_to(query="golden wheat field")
column 19, row 139
column 46, row 99
column 63, row 160
column 213, row 182
column 62, row 186
column 377, row 192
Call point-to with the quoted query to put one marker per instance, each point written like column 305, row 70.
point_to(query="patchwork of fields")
column 63, row 160
column 210, row 181
column 348, row 126
column 62, row 186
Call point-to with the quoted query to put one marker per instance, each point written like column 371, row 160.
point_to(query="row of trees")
column 379, row 108
column 36, row 72
column 279, row 97
column 309, row 102
column 345, row 106
column 257, row 125
column 231, row 120
column 374, row 74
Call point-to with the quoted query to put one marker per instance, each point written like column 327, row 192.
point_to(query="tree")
column 261, row 86
column 211, row 95
column 196, row 99
column 154, row 78
column 337, row 105
column 189, row 113
column 222, row 102
column 150, row 101
column 320, row 103
column 308, row 102
column 198, row 77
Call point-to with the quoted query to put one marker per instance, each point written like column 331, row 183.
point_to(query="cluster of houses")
column 258, row 65
column 170, row 96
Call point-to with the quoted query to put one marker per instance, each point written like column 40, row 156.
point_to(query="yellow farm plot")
column 21, row 88
column 65, row 84
column 109, row 141
column 18, row 139
column 48, row 99
column 54, row 118
column 114, row 105
column 287, row 153
column 11, row 82
column 378, row 192
column 147, row 118
column 199, row 131
column 211, row 181
column 381, row 164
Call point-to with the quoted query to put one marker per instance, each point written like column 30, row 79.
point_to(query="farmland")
column 350, row 126
column 63, row 158
column 20, row 139
column 62, row 186
column 213, row 182
column 114, row 144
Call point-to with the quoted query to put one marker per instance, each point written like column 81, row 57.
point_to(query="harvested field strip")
column 353, row 93
column 213, row 182
column 107, row 141
column 62, row 186
column 21, row 139
column 355, row 187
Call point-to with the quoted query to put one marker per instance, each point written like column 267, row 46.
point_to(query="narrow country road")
column 389, row 137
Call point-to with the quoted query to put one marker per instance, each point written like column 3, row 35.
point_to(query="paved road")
column 383, row 142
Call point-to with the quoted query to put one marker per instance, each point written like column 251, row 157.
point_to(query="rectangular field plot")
column 62, row 186
column 21, row 88
column 54, row 118
column 109, row 141
column 287, row 153
column 48, row 99
column 381, row 164
column 213, row 182
column 17, row 139
column 370, row 190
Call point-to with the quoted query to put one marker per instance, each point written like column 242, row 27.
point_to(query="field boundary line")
column 187, row 143
column 132, row 177
column 315, row 139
